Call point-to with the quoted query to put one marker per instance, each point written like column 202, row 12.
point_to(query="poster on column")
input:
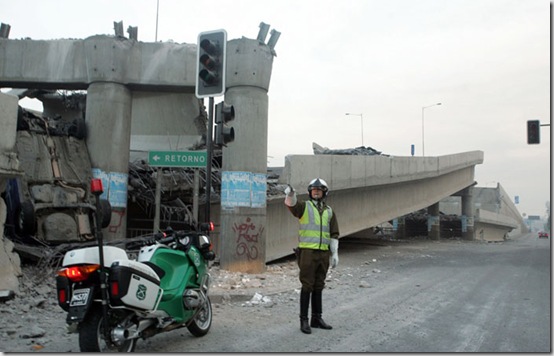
column 114, row 185
column 259, row 190
column 118, row 189
column 243, row 189
column 235, row 189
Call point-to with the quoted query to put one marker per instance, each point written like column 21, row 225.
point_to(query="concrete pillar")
column 243, row 227
column 10, row 264
column 108, row 118
column 399, row 227
column 434, row 222
column 468, row 213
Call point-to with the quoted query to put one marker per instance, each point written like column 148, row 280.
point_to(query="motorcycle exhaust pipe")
column 121, row 334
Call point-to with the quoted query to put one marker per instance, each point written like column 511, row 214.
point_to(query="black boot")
column 317, row 320
column 304, row 305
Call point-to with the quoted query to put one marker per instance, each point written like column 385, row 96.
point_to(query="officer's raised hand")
column 290, row 198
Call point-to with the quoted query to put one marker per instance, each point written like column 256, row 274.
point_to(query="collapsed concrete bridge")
column 129, row 83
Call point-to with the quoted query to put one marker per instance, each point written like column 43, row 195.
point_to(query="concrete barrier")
column 491, row 226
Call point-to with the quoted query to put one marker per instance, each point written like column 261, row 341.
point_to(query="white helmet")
column 318, row 183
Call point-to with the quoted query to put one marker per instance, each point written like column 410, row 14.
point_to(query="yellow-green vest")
column 314, row 228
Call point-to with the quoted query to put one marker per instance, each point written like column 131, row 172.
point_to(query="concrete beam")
column 367, row 190
column 346, row 172
column 492, row 218
column 74, row 64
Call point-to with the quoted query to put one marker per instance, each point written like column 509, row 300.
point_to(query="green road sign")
column 177, row 158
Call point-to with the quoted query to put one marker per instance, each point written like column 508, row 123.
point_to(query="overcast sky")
column 486, row 61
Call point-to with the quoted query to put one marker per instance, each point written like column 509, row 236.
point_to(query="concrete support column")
column 468, row 213
column 109, row 63
column 434, row 222
column 10, row 264
column 108, row 118
column 243, row 226
column 399, row 227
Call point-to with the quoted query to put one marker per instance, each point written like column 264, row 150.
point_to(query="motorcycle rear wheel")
column 91, row 335
column 201, row 324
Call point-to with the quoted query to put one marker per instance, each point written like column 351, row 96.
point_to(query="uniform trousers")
column 313, row 265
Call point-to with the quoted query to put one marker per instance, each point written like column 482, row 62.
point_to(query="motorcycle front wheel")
column 202, row 322
column 91, row 334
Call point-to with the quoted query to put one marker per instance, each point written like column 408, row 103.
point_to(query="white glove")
column 290, row 199
column 289, row 190
column 334, row 259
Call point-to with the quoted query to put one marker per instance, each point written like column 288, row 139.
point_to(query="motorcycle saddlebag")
column 134, row 284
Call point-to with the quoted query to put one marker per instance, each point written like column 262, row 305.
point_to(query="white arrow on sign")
column 156, row 158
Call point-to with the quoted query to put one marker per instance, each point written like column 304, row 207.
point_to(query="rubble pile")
column 33, row 317
column 281, row 276
column 358, row 151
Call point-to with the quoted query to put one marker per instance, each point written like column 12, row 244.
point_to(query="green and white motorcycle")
column 113, row 301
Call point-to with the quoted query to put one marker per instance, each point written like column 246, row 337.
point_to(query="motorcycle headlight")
column 185, row 240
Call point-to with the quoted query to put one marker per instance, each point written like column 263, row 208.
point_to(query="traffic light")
column 211, row 62
column 223, row 114
column 533, row 132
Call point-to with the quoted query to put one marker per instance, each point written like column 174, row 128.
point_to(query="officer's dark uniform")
column 318, row 224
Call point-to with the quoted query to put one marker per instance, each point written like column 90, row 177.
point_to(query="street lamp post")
column 423, row 127
column 361, row 121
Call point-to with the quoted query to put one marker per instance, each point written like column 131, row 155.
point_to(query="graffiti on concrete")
column 117, row 219
column 248, row 237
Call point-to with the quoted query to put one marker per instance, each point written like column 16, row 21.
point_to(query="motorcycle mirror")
column 207, row 226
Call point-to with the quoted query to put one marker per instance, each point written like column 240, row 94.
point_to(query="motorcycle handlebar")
column 158, row 236
column 166, row 240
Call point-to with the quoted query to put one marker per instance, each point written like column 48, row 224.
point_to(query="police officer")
column 318, row 245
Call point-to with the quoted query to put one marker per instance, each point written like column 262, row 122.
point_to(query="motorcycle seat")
column 159, row 271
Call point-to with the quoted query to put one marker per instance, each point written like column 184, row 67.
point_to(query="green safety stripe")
column 316, row 246
column 314, row 228
column 308, row 222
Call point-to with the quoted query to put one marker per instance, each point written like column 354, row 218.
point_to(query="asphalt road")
column 450, row 296
column 385, row 296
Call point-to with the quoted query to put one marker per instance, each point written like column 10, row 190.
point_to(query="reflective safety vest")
column 314, row 228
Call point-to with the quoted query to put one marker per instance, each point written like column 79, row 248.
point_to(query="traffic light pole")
column 211, row 56
column 209, row 150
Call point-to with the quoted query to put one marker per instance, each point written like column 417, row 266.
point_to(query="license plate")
column 80, row 297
